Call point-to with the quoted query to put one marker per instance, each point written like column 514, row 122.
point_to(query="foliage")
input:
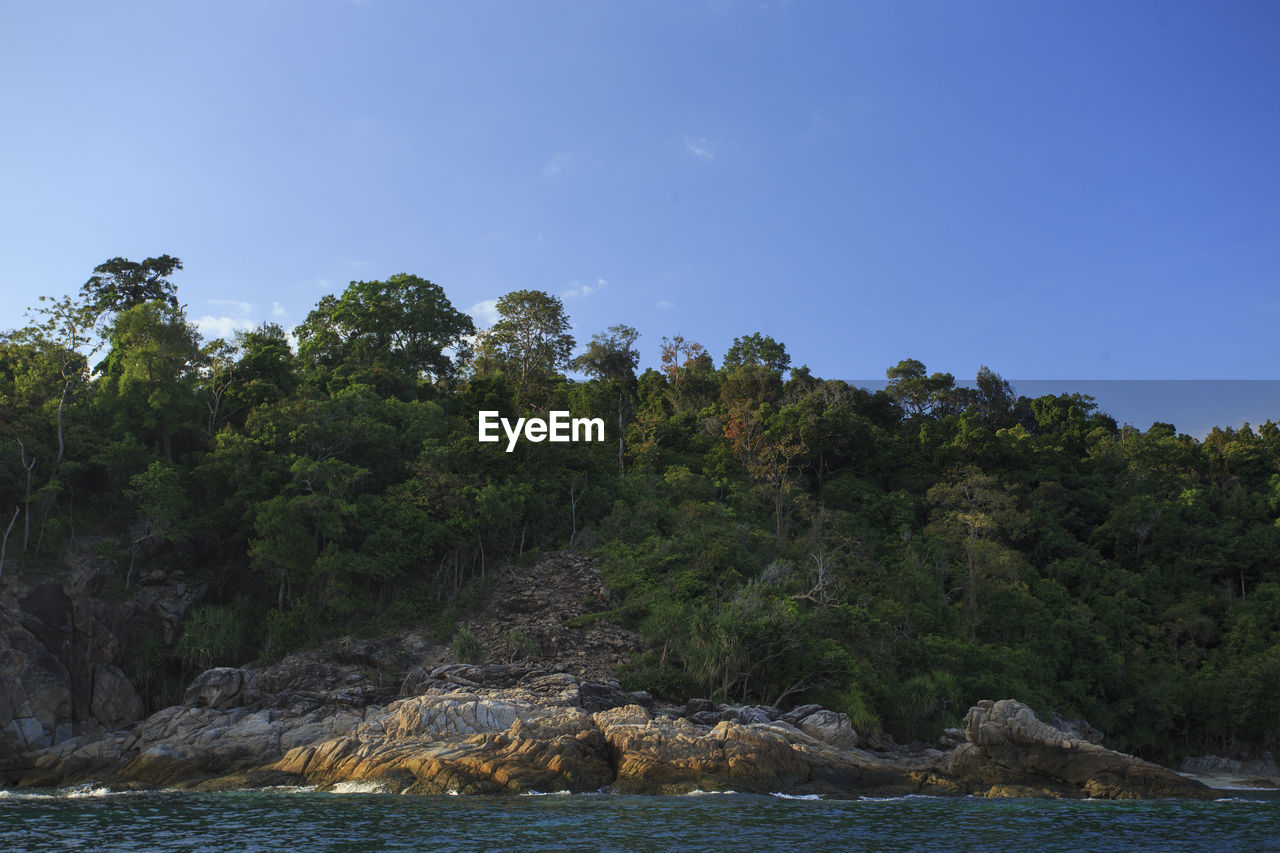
column 897, row 555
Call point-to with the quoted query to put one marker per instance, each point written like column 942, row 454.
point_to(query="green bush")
column 467, row 647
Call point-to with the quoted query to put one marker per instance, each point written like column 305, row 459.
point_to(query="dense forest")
column 774, row 536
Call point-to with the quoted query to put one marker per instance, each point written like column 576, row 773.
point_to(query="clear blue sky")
column 1057, row 190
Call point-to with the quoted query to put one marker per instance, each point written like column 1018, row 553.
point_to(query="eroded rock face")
column 499, row 729
column 1008, row 747
column 62, row 675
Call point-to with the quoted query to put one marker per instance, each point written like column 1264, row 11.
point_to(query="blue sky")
column 1057, row 190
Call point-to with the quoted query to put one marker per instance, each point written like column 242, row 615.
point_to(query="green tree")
column 760, row 351
column 152, row 369
column 611, row 358
column 917, row 393
column 120, row 284
column 401, row 328
column 973, row 510
column 530, row 342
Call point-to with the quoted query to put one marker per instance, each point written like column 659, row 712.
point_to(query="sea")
column 89, row 818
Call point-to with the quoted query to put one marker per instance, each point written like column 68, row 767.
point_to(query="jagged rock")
column 1008, row 746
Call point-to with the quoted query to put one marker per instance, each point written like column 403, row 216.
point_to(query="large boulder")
column 1010, row 750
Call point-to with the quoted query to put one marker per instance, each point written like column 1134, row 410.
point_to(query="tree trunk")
column 26, row 517
column 4, row 546
column 621, row 457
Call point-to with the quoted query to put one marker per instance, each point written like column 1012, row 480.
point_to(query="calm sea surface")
column 296, row 821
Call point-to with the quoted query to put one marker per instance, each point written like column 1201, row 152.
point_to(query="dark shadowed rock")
column 115, row 702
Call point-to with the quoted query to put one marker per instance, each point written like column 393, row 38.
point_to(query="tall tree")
column 611, row 357
column 120, row 284
column 530, row 342
column 152, row 369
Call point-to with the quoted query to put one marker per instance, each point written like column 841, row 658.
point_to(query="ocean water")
column 296, row 820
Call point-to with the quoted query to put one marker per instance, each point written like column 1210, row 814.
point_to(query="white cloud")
column 277, row 310
column 700, row 147
column 485, row 312
column 576, row 289
column 223, row 327
column 664, row 304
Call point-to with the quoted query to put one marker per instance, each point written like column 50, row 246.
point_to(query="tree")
column 530, row 342
column 162, row 506
column 611, row 357
column 152, row 368
column 62, row 331
column 686, row 364
column 973, row 510
column 404, row 326
column 759, row 351
column 917, row 393
column 120, row 284
column 994, row 398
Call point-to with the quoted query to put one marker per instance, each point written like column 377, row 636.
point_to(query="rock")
column 222, row 688
column 698, row 706
column 798, row 713
column 830, row 727
column 115, row 702
column 1008, row 746
column 598, row 696
column 1077, row 728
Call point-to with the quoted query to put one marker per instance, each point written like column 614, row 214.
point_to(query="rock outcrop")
column 1014, row 753
column 63, row 660
column 509, row 729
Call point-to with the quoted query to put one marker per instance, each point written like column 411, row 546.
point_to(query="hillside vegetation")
column 772, row 536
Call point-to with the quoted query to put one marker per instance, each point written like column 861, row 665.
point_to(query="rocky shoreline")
column 509, row 729
column 398, row 715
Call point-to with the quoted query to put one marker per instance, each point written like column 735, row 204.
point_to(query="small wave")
column 88, row 791
column 783, row 796
column 24, row 795
column 363, row 786
column 545, row 794
column 701, row 793
column 866, row 799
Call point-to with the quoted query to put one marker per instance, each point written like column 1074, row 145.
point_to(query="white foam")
column 783, row 796
column 363, row 786
column 545, row 794
column 24, row 795
column 88, row 791
column 700, row 793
